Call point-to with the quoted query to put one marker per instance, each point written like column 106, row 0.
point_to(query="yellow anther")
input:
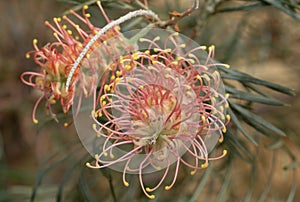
column 198, row 77
column 211, row 48
column 168, row 69
column 106, row 87
column 148, row 189
column 118, row 80
column 87, row 55
column 58, row 19
column 35, row 41
column 206, row 77
column 190, row 55
column 175, row 63
column 221, row 108
column 126, row 184
column 222, row 117
column 203, row 118
column 66, row 124
column 104, row 103
column 136, row 56
column 105, row 154
column 154, row 62
column 216, row 94
column 193, row 172
column 104, row 42
column 147, row 52
column 112, row 77
column 94, row 126
column 118, row 73
column 85, row 7
column 156, row 49
column 77, row 26
column 179, row 58
column 150, row 67
column 188, row 93
column 87, row 15
column 102, row 97
column 183, row 45
column 54, row 34
column 142, row 39
column 203, row 47
column 227, row 95
column 227, row 66
column 216, row 73
column 99, row 114
column 167, row 188
column 213, row 100
column 112, row 156
column 128, row 67
column 226, row 105
column 220, row 140
column 204, row 165
column 153, row 56
column 175, row 33
column 88, row 164
column 188, row 87
column 224, row 130
column 35, row 121
column 27, row 55
column 96, row 156
column 156, row 38
column 141, row 87
column 152, row 196
column 69, row 32
column 167, row 76
column 228, row 117
column 55, row 19
column 64, row 27
column 168, row 50
column 192, row 61
column 225, row 152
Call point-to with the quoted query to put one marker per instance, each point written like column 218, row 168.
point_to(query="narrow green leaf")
column 276, row 145
column 233, row 74
column 258, row 127
column 225, row 189
column 242, row 8
column 257, row 119
column 294, row 187
column 280, row 6
column 238, row 124
column 237, row 148
column 238, row 94
column 84, row 186
column 201, row 184
column 267, row 187
column 42, row 174
column 66, row 176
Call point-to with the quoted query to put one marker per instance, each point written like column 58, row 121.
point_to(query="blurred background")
column 260, row 40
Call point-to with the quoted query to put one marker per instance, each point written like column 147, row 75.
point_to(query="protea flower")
column 55, row 60
column 156, row 104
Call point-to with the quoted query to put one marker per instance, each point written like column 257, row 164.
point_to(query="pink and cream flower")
column 156, row 104
column 55, row 60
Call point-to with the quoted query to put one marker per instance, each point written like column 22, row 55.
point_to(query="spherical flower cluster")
column 55, row 60
column 156, row 104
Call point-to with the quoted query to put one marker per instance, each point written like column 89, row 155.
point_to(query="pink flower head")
column 55, row 60
column 156, row 104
